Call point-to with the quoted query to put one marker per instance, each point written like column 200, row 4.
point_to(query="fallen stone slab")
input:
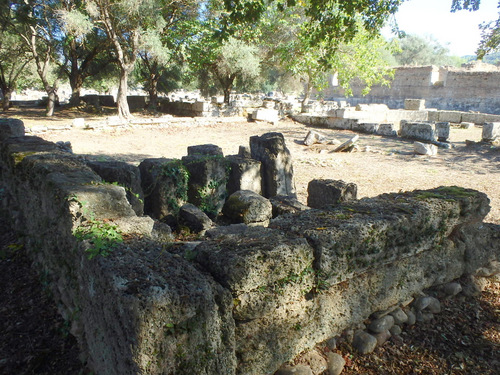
column 346, row 146
column 424, row 149
column 314, row 137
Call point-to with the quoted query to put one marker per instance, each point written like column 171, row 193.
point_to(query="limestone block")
column 419, row 131
column 245, row 206
column 466, row 125
column 277, row 167
column 201, row 106
column 491, row 131
column 164, row 183
column 424, row 149
column 207, row 182
column 443, row 131
column 433, row 116
column 476, row 118
column 194, row 218
column 322, row 193
column 387, row 130
column 414, row 104
column 125, row 175
column 11, row 127
column 314, row 137
column 208, row 150
column 283, row 204
column 266, row 114
column 245, row 174
column 347, row 145
column 450, row 116
column 244, row 152
column 260, row 267
column 365, row 127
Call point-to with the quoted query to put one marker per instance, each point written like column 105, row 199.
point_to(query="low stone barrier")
column 243, row 301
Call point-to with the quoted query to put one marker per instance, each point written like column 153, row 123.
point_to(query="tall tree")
column 34, row 22
column 14, row 57
column 84, row 48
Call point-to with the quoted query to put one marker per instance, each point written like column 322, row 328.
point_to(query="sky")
column 457, row 31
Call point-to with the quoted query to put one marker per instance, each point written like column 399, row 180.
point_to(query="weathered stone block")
column 414, row 104
column 314, row 137
column 283, row 204
column 245, row 206
column 365, row 127
column 491, row 131
column 450, row 116
column 208, row 176
column 419, row 131
column 277, row 167
column 265, row 114
column 443, row 131
column 387, row 130
column 194, row 218
column 244, row 174
column 205, row 150
column 11, row 127
column 125, row 175
column 164, row 183
column 424, row 149
column 201, row 106
column 322, row 193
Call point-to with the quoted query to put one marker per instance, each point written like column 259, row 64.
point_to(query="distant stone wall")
column 443, row 88
column 247, row 299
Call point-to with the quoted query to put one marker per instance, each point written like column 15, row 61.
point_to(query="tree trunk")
column 307, row 96
column 121, row 100
column 6, row 99
column 153, row 92
column 51, row 102
column 76, row 83
column 227, row 94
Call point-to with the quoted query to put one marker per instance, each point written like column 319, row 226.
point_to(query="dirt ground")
column 383, row 165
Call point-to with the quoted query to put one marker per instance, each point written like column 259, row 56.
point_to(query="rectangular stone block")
column 244, row 174
column 433, row 116
column 476, row 118
column 201, row 106
column 443, row 131
column 265, row 114
column 418, row 131
column 450, row 116
column 277, row 166
column 414, row 104
column 364, row 127
column 491, row 131
column 387, row 130
column 323, row 193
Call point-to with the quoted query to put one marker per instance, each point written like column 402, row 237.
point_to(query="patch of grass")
column 103, row 237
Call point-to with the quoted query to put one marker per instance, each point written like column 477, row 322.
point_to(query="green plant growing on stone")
column 103, row 237
column 210, row 197
column 179, row 177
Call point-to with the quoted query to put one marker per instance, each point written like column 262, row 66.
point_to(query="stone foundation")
column 242, row 302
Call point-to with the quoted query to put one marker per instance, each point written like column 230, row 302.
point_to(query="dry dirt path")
column 388, row 166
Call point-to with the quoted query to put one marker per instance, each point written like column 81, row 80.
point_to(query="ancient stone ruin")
column 243, row 299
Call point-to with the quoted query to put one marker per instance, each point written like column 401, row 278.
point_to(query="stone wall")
column 445, row 88
column 246, row 299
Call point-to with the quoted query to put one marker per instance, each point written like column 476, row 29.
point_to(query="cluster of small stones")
column 380, row 327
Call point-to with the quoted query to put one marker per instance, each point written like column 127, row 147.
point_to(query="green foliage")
column 179, row 177
column 103, row 237
column 416, row 50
